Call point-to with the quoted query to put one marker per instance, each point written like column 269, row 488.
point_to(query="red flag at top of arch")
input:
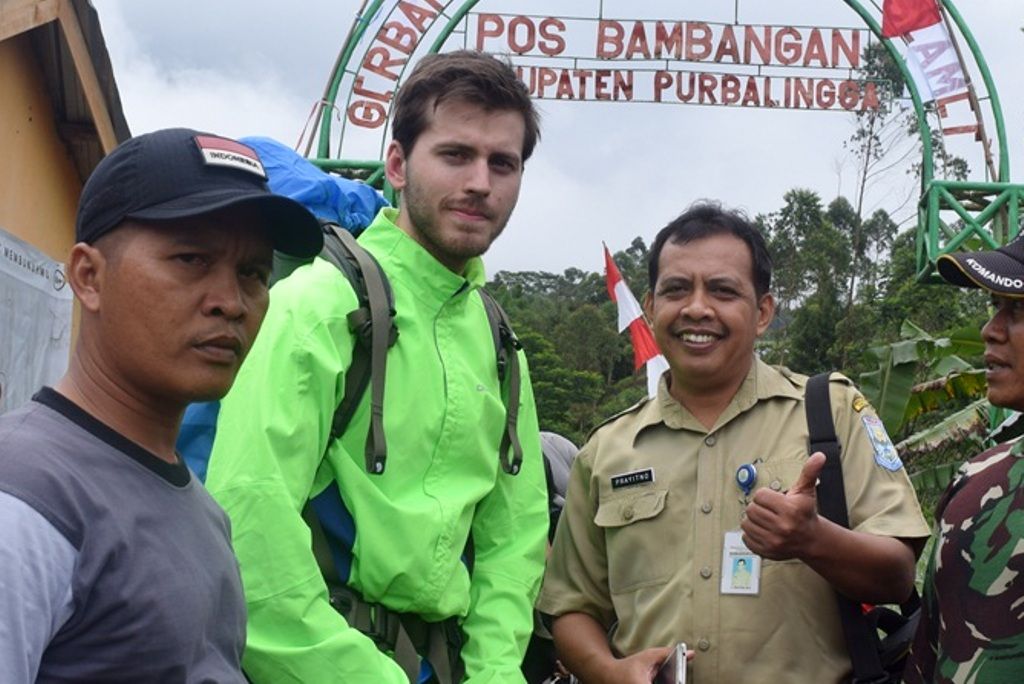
column 900, row 17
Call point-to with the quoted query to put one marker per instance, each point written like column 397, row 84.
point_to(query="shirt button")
column 627, row 513
column 705, row 572
column 703, row 644
column 705, row 507
column 776, row 485
column 710, row 440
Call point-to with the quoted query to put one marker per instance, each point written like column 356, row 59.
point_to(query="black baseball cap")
column 180, row 173
column 1000, row 271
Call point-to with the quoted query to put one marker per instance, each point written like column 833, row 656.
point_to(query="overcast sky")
column 603, row 171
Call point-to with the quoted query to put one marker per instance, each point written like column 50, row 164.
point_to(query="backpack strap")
column 861, row 642
column 822, row 437
column 507, row 347
column 373, row 325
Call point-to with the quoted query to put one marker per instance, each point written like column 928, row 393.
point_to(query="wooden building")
column 60, row 113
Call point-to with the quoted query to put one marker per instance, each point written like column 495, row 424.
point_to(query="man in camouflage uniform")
column 972, row 624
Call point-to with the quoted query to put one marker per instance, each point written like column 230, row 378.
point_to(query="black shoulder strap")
column 507, row 347
column 860, row 639
column 822, row 437
column 373, row 325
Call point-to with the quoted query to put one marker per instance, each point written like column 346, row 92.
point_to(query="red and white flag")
column 934, row 64
column 900, row 17
column 932, row 59
column 645, row 349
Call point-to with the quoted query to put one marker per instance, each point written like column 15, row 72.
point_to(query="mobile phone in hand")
column 673, row 670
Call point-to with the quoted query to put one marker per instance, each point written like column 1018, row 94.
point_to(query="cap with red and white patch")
column 230, row 153
column 179, row 173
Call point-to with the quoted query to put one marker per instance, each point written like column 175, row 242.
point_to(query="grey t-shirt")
column 142, row 587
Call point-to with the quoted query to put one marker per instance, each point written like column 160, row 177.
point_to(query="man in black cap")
column 972, row 623
column 115, row 564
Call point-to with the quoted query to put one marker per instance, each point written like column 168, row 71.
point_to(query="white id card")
column 741, row 567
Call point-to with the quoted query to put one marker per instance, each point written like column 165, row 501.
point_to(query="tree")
column 934, row 307
column 811, row 258
column 586, row 342
column 881, row 141
column 581, row 367
column 868, row 242
column 811, row 335
column 840, row 302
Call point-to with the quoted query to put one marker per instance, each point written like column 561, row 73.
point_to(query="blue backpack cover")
column 350, row 204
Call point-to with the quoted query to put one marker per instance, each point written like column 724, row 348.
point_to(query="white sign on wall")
column 35, row 321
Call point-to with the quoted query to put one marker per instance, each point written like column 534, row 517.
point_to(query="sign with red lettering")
column 386, row 59
column 662, row 61
column 619, row 60
column 690, row 41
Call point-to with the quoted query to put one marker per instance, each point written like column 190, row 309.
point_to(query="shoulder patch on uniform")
column 859, row 403
column 885, row 453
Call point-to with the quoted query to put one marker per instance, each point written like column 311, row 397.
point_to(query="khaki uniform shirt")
column 649, row 555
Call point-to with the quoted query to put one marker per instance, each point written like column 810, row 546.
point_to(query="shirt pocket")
column 779, row 474
column 638, row 539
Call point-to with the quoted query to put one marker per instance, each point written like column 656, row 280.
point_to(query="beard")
column 441, row 234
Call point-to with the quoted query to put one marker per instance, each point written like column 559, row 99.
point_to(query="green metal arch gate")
column 980, row 215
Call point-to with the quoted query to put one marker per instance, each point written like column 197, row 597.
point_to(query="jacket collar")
column 405, row 259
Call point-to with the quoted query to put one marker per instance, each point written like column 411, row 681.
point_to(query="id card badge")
column 741, row 567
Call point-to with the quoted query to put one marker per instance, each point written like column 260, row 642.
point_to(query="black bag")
column 878, row 640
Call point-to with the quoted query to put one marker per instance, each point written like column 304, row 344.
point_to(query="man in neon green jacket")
column 463, row 127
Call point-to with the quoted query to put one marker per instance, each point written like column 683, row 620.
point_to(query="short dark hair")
column 466, row 76
column 705, row 219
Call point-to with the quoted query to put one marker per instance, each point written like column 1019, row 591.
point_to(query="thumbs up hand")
column 783, row 525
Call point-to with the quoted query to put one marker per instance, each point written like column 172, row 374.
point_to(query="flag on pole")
column 932, row 59
column 631, row 316
column 934, row 64
column 900, row 17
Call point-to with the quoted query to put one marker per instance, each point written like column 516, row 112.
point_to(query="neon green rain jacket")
column 443, row 418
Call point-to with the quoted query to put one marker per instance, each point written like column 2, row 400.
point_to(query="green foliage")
column 845, row 290
column 893, row 389
column 580, row 366
column 938, row 308
column 809, row 253
column 812, row 333
column 941, row 420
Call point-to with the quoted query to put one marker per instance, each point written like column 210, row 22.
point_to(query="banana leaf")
column 891, row 388
column 936, row 394
column 966, row 426
column 888, row 389
column 966, row 342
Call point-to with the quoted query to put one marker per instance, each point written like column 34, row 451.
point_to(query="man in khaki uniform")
column 657, row 523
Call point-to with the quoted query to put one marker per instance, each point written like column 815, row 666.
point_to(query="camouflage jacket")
column 972, row 622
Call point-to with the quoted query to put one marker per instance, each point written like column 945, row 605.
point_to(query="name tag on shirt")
column 632, row 479
column 741, row 567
